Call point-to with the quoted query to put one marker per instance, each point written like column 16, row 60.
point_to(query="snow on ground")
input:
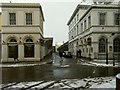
column 108, row 84
column 21, row 64
column 85, row 83
column 24, row 84
column 118, row 76
column 16, row 65
column 43, row 85
column 100, row 63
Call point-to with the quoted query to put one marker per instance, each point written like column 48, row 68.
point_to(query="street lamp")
column 113, row 60
column 106, row 52
column 113, row 53
column 106, row 45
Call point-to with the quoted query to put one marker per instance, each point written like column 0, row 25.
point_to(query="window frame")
column 105, row 18
column 29, row 21
column 85, row 24
column 81, row 27
column 116, row 47
column 12, row 21
column 102, row 46
column 116, row 19
column 89, row 21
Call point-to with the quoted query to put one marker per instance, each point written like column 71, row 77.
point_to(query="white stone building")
column 22, row 32
column 95, row 30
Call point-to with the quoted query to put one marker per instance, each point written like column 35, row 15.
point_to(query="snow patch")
column 118, row 76
column 17, row 65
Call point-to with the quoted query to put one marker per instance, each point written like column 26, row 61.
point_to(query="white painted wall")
column 21, row 31
column 106, row 29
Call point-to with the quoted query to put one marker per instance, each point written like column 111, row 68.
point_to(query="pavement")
column 63, row 84
column 97, row 83
column 46, row 60
column 96, row 62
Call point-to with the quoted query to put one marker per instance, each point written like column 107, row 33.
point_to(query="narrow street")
column 67, row 68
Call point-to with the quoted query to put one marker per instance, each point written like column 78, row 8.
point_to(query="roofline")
column 112, row 6
column 20, row 5
column 48, row 38
column 42, row 13
column 99, row 7
column 23, row 5
column 76, row 10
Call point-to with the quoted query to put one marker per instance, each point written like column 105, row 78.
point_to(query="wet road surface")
column 67, row 68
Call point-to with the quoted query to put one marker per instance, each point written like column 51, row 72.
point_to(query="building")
column 48, row 43
column 63, row 47
column 0, row 35
column 95, row 30
column 57, row 45
column 0, row 22
column 22, row 31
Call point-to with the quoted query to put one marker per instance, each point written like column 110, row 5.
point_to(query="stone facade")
column 0, row 34
column 95, row 30
column 22, row 30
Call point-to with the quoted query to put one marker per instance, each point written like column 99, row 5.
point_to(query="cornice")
column 20, row 33
column 21, row 26
column 20, row 5
column 76, row 10
column 99, row 7
column 23, row 5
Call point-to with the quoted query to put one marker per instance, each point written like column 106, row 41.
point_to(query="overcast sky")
column 56, row 14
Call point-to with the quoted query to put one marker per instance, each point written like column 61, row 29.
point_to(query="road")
column 67, row 68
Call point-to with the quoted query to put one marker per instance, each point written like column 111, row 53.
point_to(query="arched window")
column 13, row 40
column 102, row 45
column 29, row 40
column 29, row 48
column 12, row 48
column 116, row 44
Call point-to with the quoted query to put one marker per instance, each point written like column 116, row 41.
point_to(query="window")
column 89, row 21
column 28, row 18
column 86, row 49
column 75, row 20
column 102, row 18
column 117, row 19
column 77, row 29
column 91, row 49
column 88, row 41
column 81, row 27
column 12, row 48
column 77, row 16
column 13, row 40
column 29, row 48
column 85, row 25
column 12, row 17
column 116, row 44
column 102, row 45
column 74, row 31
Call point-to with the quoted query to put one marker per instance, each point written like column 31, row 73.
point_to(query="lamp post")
column 113, row 52
column 106, row 49
column 113, row 60
column 106, row 52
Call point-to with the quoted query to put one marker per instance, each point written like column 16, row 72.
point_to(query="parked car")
column 67, row 54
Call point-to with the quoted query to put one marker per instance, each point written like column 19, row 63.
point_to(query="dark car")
column 67, row 54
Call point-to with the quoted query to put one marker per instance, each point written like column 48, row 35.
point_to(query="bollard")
column 118, row 81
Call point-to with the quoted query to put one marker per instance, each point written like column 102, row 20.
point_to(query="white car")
column 67, row 54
